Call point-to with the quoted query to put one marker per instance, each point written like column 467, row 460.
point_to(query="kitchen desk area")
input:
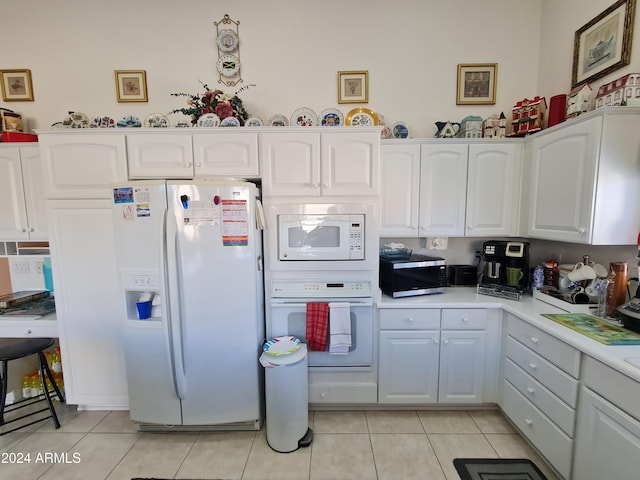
column 572, row 397
column 34, row 318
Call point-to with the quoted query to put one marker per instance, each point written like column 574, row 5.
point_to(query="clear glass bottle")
column 617, row 289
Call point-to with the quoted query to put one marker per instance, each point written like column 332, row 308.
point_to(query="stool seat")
column 18, row 348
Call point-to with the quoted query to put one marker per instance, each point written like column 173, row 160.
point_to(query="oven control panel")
column 285, row 289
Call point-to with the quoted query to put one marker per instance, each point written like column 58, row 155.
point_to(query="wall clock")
column 228, row 43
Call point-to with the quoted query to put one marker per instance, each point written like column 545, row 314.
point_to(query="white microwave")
column 319, row 237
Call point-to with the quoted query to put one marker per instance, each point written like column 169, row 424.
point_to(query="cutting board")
column 5, row 277
column 13, row 299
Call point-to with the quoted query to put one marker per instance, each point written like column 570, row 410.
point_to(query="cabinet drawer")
column 464, row 319
column 541, row 432
column 558, row 411
column 410, row 319
column 554, row 350
column 613, row 385
column 563, row 385
column 343, row 393
column 28, row 329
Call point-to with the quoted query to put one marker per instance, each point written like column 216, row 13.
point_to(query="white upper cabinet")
column 23, row 214
column 159, row 155
column 234, row 154
column 583, row 179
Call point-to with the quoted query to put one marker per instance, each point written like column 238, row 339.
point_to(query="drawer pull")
column 532, row 366
column 323, row 395
column 28, row 331
column 410, row 319
column 436, row 341
column 531, row 391
column 465, row 319
column 445, row 341
column 528, row 422
column 534, row 340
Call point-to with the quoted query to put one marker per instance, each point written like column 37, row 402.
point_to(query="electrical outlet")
column 20, row 267
column 437, row 243
column 39, row 267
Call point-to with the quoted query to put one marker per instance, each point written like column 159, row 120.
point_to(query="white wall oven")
column 287, row 315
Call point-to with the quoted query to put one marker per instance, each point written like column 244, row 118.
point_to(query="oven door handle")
column 284, row 303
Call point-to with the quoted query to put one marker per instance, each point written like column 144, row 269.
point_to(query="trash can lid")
column 285, row 360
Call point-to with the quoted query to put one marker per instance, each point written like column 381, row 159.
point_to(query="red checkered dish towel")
column 317, row 326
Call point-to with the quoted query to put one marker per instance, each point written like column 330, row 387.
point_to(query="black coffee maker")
column 505, row 271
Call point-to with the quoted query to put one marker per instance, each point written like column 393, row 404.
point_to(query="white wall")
column 290, row 49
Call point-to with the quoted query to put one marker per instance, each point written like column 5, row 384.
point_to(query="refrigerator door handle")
column 170, row 246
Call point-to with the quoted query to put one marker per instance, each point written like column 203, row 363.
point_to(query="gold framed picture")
column 603, row 44
column 131, row 85
column 353, row 87
column 477, row 84
column 16, row 85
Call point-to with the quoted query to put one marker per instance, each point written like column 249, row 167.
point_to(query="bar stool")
column 23, row 348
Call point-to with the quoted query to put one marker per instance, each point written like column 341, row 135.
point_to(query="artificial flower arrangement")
column 213, row 101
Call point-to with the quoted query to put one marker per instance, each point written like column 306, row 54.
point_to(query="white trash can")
column 287, row 400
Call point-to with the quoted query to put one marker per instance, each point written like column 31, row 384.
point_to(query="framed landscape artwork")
column 353, row 87
column 477, row 84
column 131, row 85
column 16, row 85
column 604, row 43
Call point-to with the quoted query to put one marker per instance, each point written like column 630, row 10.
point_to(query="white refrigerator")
column 196, row 248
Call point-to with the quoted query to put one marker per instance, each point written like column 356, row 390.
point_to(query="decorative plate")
column 230, row 122
column 228, row 65
column 400, row 130
column 156, row 120
column 281, row 346
column 103, row 122
column 362, row 117
column 278, row 120
column 331, row 117
column 76, row 120
column 129, row 122
column 227, row 40
column 304, row 117
column 253, row 122
column 209, row 120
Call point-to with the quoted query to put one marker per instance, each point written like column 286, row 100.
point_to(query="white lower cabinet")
column 429, row 356
column 607, row 443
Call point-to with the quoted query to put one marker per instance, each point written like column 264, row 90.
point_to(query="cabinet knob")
column 28, row 331
column 436, row 341
column 534, row 339
column 581, row 230
column 445, row 341
column 410, row 319
column 528, row 422
column 530, row 390
column 315, row 185
column 23, row 230
column 532, row 366
column 199, row 164
column 465, row 319
column 189, row 164
column 32, row 229
column 324, row 185
column 323, row 395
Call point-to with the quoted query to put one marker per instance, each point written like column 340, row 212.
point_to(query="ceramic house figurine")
column 470, row 127
column 495, row 126
column 528, row 116
column 447, row 129
column 622, row 91
column 579, row 101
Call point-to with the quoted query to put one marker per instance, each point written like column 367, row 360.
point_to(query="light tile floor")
column 362, row 445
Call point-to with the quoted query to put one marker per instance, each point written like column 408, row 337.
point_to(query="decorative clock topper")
column 228, row 43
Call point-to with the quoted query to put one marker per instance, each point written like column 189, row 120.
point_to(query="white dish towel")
column 339, row 328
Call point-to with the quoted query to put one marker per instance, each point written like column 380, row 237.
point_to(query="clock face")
column 228, row 65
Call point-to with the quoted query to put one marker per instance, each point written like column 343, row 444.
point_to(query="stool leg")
column 3, row 391
column 52, row 380
column 45, row 368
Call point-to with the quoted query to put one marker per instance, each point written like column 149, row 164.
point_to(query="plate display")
column 227, row 40
column 331, row 117
column 400, row 130
column 209, row 120
column 156, row 120
column 385, row 132
column 228, row 65
column 362, row 117
column 76, row 120
column 304, row 117
column 230, row 122
column 281, row 346
column 129, row 121
column 278, row 120
column 253, row 122
column 103, row 122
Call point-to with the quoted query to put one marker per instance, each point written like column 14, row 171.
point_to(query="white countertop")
column 529, row 309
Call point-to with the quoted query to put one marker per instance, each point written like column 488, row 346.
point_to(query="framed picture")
column 477, row 84
column 604, row 43
column 131, row 85
column 16, row 86
column 353, row 87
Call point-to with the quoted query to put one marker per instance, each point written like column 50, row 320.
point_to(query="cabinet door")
column 561, row 170
column 400, row 190
column 87, row 307
column 607, row 440
column 408, row 366
column 226, row 154
column 290, row 164
column 443, row 190
column 159, row 156
column 462, row 359
column 32, row 176
column 13, row 213
column 79, row 165
column 350, row 163
column 493, row 189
